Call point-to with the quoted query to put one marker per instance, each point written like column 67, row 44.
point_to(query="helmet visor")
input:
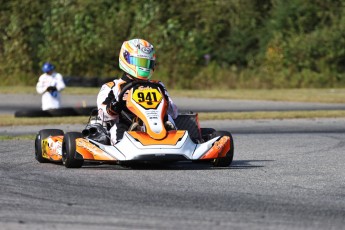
column 141, row 62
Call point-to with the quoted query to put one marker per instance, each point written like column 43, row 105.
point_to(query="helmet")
column 137, row 58
column 47, row 67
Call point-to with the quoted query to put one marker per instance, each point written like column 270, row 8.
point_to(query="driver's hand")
column 51, row 88
column 115, row 107
column 125, row 95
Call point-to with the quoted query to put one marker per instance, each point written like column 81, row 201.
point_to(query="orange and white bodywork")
column 177, row 145
column 155, row 143
column 150, row 106
column 89, row 151
column 152, row 143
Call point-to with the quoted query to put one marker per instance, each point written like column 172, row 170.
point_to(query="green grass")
column 10, row 120
column 273, row 115
column 298, row 95
column 19, row 137
column 291, row 95
column 32, row 90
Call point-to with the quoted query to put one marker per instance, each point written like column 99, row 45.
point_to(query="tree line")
column 200, row 44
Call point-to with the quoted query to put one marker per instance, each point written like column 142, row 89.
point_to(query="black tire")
column 69, row 150
column 43, row 134
column 84, row 111
column 62, row 112
column 227, row 160
column 32, row 113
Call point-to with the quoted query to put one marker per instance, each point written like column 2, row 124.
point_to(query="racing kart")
column 148, row 138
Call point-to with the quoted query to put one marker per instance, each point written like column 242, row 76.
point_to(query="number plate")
column 148, row 98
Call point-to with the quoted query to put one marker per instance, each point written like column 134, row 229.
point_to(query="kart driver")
column 137, row 59
column 49, row 85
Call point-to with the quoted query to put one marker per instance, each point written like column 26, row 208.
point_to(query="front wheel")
column 69, row 150
column 227, row 160
column 43, row 134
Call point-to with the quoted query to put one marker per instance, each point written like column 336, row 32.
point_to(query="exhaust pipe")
column 93, row 130
column 90, row 131
column 85, row 132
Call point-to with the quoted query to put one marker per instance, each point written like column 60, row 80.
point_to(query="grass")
column 19, row 137
column 291, row 95
column 298, row 95
column 10, row 120
column 32, row 90
column 273, row 115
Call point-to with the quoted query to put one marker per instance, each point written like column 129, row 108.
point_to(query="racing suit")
column 119, row 124
column 50, row 86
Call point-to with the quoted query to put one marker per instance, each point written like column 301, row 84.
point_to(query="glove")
column 51, row 89
column 115, row 107
column 54, row 93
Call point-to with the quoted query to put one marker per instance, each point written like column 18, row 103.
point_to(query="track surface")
column 9, row 103
column 286, row 174
column 278, row 180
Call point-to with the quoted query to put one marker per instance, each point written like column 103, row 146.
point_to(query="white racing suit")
column 50, row 100
column 111, row 91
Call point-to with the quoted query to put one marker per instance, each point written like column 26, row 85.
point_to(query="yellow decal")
column 51, row 148
column 148, row 98
column 44, row 148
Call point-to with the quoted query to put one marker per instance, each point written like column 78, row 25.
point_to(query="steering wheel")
column 144, row 83
column 132, row 85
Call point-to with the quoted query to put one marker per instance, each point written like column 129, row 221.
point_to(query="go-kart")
column 148, row 138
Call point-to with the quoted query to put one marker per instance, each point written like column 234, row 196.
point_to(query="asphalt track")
column 9, row 103
column 286, row 174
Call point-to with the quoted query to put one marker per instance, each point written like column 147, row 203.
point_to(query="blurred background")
column 200, row 44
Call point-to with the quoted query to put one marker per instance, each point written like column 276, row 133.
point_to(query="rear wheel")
column 224, row 161
column 43, row 134
column 69, row 150
column 189, row 122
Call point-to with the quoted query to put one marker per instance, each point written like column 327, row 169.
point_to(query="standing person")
column 137, row 60
column 49, row 85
